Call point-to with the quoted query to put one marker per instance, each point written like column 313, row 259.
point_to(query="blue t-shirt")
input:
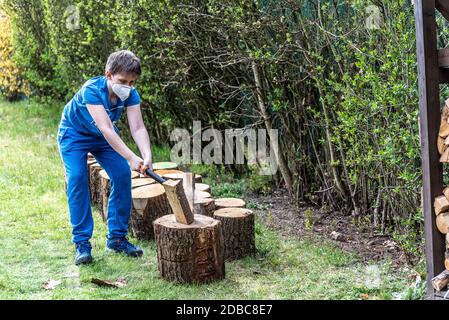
column 95, row 92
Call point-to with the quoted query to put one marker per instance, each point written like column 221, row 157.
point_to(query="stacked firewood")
column 195, row 235
column 441, row 202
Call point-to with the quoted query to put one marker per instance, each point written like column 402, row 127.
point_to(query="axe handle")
column 155, row 176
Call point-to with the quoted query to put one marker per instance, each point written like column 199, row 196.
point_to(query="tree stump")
column 190, row 253
column 139, row 182
column 166, row 171
column 238, row 232
column 201, row 194
column 204, row 206
column 164, row 165
column 94, row 180
column 202, row 187
column 149, row 204
column 179, row 176
column 221, row 203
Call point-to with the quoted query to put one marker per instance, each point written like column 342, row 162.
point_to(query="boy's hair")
column 123, row 61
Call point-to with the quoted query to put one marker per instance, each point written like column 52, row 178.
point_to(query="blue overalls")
column 77, row 136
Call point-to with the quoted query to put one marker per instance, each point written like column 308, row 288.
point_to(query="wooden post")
column 429, row 77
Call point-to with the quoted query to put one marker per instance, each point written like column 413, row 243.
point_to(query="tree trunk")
column 268, row 124
column 149, row 204
column 190, row 253
column 238, row 232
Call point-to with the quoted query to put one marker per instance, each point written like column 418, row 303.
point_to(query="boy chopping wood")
column 88, row 124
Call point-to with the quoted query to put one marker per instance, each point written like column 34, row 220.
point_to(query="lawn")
column 35, row 239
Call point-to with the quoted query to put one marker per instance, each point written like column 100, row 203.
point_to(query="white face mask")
column 121, row 90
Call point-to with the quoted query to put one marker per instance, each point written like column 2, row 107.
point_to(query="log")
column 105, row 191
column 446, row 192
column 229, row 203
column 442, row 222
column 139, row 182
column 238, row 232
column 204, row 206
column 441, row 145
column 202, row 195
column 94, row 180
column 190, row 253
column 202, row 187
column 445, row 156
column 164, row 165
column 178, row 201
column 149, row 204
column 441, row 203
column 440, row 281
column 166, row 171
column 134, row 174
column 188, row 185
column 444, row 130
column 447, row 241
column 179, row 176
column 446, row 258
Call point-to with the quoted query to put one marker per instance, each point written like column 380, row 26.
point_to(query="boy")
column 88, row 125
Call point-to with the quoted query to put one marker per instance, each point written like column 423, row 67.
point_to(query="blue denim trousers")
column 74, row 147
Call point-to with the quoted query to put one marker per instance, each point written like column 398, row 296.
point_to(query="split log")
column 229, row 203
column 189, row 189
column 445, row 156
column 166, row 171
column 202, row 187
column 446, row 192
column 444, row 130
column 178, row 201
column 238, row 232
column 446, row 258
column 190, row 253
column 440, row 281
column 204, row 206
column 94, row 179
column 164, row 165
column 440, row 204
column 139, row 182
column 441, row 144
column 105, row 191
column 179, row 176
column 442, row 222
column 149, row 204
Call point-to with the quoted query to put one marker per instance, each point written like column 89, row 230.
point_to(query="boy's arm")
column 140, row 134
column 105, row 125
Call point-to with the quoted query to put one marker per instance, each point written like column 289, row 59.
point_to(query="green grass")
column 35, row 239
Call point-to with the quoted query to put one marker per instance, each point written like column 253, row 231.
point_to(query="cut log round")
column 440, row 204
column 446, row 258
column 202, row 195
column 229, row 203
column 202, row 187
column 105, row 190
column 190, row 253
column 135, row 175
column 204, row 206
column 445, row 156
column 164, row 165
column 166, row 171
column 442, row 222
column 179, row 176
column 149, row 204
column 139, row 182
column 440, row 281
column 94, row 179
column 238, row 232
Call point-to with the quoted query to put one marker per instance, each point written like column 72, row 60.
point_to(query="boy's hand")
column 147, row 164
